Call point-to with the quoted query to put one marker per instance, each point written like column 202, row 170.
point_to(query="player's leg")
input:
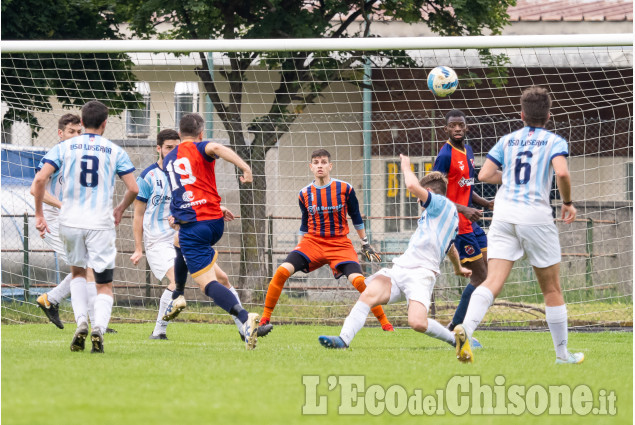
column 91, row 291
column 296, row 260
column 178, row 303
column 49, row 301
column 160, row 258
column 353, row 272
column 378, row 292
column 542, row 246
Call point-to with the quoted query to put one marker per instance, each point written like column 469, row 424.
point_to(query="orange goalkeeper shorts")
column 333, row 251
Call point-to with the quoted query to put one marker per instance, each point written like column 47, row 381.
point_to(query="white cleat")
column 250, row 330
column 574, row 358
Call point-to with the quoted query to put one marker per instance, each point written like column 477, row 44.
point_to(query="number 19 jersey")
column 525, row 157
column 88, row 164
column 193, row 183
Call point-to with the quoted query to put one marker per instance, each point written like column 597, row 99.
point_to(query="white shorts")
column 160, row 257
column 416, row 284
column 53, row 239
column 89, row 248
column 507, row 241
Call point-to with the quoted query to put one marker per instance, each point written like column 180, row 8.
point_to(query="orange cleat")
column 387, row 327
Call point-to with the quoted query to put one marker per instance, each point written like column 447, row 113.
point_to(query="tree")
column 30, row 80
column 303, row 75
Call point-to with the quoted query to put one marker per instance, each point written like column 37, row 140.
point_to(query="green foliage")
column 30, row 80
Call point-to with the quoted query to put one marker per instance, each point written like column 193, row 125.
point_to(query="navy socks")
column 224, row 298
column 461, row 310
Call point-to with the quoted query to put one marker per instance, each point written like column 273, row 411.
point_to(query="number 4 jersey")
column 525, row 157
column 88, row 165
column 193, row 182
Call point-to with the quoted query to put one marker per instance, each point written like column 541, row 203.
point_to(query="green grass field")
column 203, row 374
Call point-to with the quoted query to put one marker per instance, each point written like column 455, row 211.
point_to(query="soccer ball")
column 442, row 81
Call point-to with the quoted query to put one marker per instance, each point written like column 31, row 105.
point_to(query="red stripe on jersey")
column 459, row 186
column 205, row 199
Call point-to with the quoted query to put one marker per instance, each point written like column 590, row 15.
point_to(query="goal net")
column 366, row 103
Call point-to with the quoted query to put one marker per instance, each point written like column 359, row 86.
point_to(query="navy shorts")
column 196, row 240
column 471, row 245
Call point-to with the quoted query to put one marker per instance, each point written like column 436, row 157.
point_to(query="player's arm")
column 470, row 213
column 304, row 224
column 459, row 270
column 490, row 173
column 131, row 193
column 482, row 202
column 38, row 189
column 48, row 198
column 137, row 230
column 411, row 181
column 227, row 214
column 216, row 149
column 352, row 206
column 563, row 179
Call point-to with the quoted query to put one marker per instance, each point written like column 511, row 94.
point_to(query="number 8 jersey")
column 88, row 164
column 525, row 157
column 193, row 182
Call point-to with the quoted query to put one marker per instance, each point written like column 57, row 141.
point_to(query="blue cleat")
column 476, row 344
column 332, row 342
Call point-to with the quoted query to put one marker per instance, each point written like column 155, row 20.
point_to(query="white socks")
column 61, row 291
column 161, row 325
column 79, row 299
column 354, row 322
column 438, row 331
column 103, row 309
column 482, row 299
column 91, row 289
column 557, row 322
column 238, row 323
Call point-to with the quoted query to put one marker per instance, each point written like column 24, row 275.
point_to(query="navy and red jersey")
column 458, row 166
column 193, row 183
column 324, row 209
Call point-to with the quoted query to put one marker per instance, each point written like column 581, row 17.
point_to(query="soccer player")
column 195, row 206
column 88, row 164
column 523, row 223
column 414, row 272
column 456, row 161
column 325, row 204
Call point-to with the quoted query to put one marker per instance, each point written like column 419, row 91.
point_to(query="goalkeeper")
column 325, row 203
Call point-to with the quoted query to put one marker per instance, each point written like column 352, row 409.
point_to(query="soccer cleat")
column 387, row 328
column 174, row 308
column 450, row 326
column 574, row 358
column 476, row 344
column 262, row 331
column 463, row 350
column 264, row 321
column 79, row 339
column 110, row 331
column 98, row 341
column 332, row 342
column 160, row 336
column 51, row 310
column 250, row 331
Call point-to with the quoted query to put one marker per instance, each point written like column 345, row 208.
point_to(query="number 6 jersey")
column 88, row 164
column 525, row 157
column 193, row 182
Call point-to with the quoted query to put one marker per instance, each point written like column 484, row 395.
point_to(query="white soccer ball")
column 442, row 81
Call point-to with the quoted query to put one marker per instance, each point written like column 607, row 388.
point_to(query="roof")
column 571, row 10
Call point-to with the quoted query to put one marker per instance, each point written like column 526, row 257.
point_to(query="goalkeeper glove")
column 369, row 251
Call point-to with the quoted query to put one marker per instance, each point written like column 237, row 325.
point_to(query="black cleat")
column 110, row 331
column 262, row 331
column 98, row 342
column 51, row 310
column 79, row 339
column 160, row 336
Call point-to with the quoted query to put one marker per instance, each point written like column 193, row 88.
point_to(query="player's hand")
column 472, row 214
column 569, row 213
column 227, row 214
column 405, row 162
column 246, row 177
column 136, row 256
column 172, row 224
column 41, row 226
column 118, row 214
column 462, row 271
column 370, row 253
column 490, row 205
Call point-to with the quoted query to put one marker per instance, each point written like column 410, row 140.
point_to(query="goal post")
column 364, row 100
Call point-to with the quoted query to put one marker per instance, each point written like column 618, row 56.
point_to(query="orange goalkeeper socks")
column 273, row 292
column 360, row 284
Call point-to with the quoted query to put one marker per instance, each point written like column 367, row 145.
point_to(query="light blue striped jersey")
column 88, row 165
column 154, row 190
column 525, row 157
column 436, row 229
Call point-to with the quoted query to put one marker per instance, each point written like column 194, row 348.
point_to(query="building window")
column 185, row 100
column 138, row 120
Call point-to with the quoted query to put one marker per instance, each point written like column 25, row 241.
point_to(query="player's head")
column 167, row 140
column 455, row 125
column 94, row 115
column 321, row 164
column 70, row 125
column 191, row 126
column 435, row 182
column 535, row 104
